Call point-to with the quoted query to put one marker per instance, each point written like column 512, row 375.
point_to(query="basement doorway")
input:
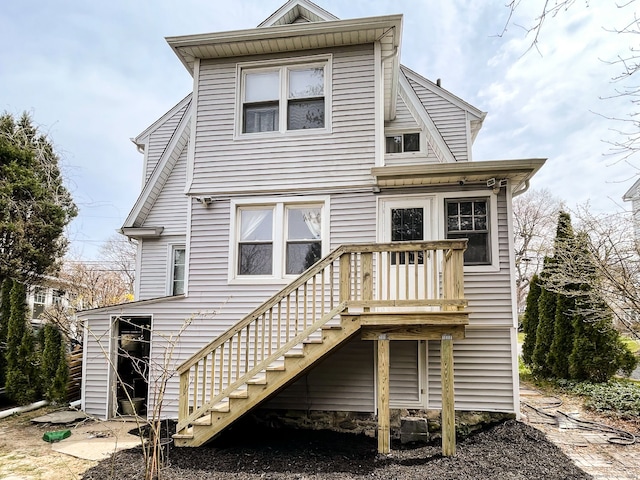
column 132, row 365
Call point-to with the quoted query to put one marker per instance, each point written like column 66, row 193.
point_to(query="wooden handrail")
column 262, row 309
column 423, row 274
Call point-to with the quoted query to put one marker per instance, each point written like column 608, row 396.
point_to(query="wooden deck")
column 393, row 291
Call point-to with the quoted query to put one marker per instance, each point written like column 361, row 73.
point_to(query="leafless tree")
column 535, row 214
column 120, row 254
column 627, row 126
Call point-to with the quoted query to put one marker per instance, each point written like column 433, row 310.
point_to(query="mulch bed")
column 511, row 450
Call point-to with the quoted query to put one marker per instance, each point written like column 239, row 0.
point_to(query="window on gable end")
column 406, row 142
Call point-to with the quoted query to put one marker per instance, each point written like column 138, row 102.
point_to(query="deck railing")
column 384, row 276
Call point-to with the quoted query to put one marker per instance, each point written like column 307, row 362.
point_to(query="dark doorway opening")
column 134, row 340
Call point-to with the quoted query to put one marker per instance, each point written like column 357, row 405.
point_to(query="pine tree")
column 597, row 351
column 564, row 250
column 530, row 321
column 546, row 324
column 35, row 206
column 23, row 380
column 5, row 313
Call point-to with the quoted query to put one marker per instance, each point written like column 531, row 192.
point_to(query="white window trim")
column 279, row 205
column 494, row 266
column 324, row 60
column 171, row 248
column 395, row 132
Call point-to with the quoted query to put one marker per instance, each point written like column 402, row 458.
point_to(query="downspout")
column 522, row 190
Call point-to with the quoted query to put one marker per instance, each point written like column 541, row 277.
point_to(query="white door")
column 405, row 276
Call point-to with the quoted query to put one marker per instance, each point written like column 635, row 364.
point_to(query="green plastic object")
column 56, row 436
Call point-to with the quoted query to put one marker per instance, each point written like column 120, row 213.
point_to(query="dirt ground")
column 513, row 450
column 25, row 456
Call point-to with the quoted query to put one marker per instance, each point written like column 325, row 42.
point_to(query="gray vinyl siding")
column 170, row 208
column 342, row 382
column 404, row 382
column 449, row 119
column 159, row 139
column 155, row 267
column 96, row 367
column 489, row 293
column 405, row 123
column 279, row 162
column 483, row 376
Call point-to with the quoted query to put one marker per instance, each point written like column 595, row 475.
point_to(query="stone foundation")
column 407, row 426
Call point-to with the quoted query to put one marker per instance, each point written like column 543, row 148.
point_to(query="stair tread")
column 240, row 393
column 259, row 379
column 294, row 354
column 221, row 407
column 332, row 327
column 203, row 421
column 276, row 367
column 186, row 434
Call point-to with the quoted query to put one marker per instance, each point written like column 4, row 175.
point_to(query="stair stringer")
column 205, row 429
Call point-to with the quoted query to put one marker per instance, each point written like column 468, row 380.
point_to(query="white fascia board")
column 416, row 107
column 284, row 32
column 150, row 191
column 457, row 101
column 140, row 139
column 274, row 18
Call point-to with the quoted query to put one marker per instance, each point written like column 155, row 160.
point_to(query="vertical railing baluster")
column 279, row 323
column 314, row 287
column 238, row 354
column 203, row 394
column 213, row 373
column 196, row 384
column 322, row 282
column 247, row 346
column 288, row 319
column 305, row 294
column 221, row 373
column 230, row 361
column 331, row 284
column 270, row 330
column 295, row 313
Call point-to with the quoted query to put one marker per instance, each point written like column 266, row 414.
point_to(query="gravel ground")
column 511, row 450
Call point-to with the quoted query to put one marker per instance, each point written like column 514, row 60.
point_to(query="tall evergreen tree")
column 564, row 250
column 546, row 324
column 530, row 320
column 54, row 368
column 5, row 314
column 35, row 206
column 22, row 379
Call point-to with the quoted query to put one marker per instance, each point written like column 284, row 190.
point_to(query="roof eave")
column 460, row 173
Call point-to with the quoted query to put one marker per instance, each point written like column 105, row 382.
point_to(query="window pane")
column 452, row 208
column 412, row 142
column 256, row 225
column 480, row 207
column 466, row 223
column 480, row 223
column 407, row 224
column 306, row 83
column 304, row 223
column 466, row 208
column 301, row 256
column 255, row 259
column 394, row 144
column 261, row 118
column 262, row 86
column 452, row 224
column 477, row 252
column 303, row 114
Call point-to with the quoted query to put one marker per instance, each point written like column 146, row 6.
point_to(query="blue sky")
column 95, row 74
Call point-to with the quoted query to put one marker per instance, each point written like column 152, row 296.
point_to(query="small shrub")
column 616, row 397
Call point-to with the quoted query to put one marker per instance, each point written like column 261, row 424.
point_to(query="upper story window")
column 58, row 297
column 39, row 301
column 276, row 240
column 469, row 218
column 406, row 142
column 178, row 263
column 284, row 98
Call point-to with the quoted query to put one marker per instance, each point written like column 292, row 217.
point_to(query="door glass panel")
column 407, row 224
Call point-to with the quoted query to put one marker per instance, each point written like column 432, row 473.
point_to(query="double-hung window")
column 283, row 98
column 276, row 240
column 469, row 218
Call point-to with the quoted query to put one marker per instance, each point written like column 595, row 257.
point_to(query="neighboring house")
column 633, row 195
column 305, row 139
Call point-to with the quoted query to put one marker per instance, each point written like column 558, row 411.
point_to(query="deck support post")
column 448, row 406
column 384, row 431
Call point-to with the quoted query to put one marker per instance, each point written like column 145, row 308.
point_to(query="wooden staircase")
column 418, row 293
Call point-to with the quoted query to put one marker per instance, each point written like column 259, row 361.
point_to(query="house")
column 313, row 236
